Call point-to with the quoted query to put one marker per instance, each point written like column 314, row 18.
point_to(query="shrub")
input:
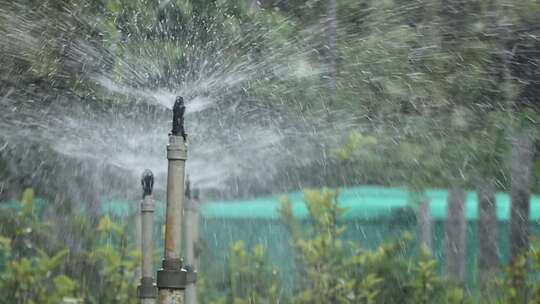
column 33, row 270
column 249, row 278
column 337, row 272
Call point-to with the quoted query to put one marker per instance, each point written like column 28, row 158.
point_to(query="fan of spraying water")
column 233, row 134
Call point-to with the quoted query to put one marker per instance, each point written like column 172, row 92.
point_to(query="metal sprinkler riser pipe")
column 176, row 155
column 172, row 278
column 147, row 290
column 191, row 212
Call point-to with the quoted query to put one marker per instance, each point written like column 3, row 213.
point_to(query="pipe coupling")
column 173, row 275
column 175, row 152
column 148, row 206
column 147, row 289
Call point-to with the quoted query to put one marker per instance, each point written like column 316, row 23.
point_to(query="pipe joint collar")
column 147, row 289
column 176, row 153
column 174, row 276
column 148, row 206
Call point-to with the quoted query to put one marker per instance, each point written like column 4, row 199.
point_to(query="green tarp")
column 366, row 202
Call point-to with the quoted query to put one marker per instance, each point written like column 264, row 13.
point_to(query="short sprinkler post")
column 138, row 236
column 191, row 212
column 173, row 278
column 147, row 290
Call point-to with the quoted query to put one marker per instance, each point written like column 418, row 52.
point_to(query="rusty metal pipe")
column 191, row 212
column 147, row 290
column 172, row 278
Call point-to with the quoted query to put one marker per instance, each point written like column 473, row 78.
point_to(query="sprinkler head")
column 147, row 182
column 178, row 118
